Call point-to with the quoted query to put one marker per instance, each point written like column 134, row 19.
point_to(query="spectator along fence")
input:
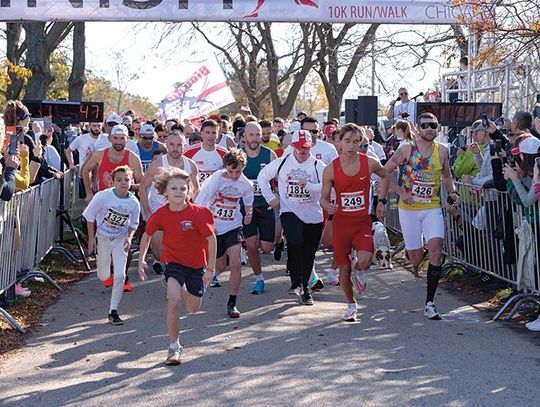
column 491, row 235
column 30, row 229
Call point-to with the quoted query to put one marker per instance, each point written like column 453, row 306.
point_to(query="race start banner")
column 204, row 91
column 327, row 11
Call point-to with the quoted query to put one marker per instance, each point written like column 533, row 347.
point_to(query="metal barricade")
column 484, row 238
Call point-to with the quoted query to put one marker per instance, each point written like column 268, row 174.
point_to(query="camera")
column 404, row 115
column 485, row 121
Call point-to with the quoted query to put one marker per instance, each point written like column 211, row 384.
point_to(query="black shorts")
column 192, row 278
column 262, row 223
column 228, row 239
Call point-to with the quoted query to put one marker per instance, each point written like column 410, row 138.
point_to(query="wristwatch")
column 384, row 201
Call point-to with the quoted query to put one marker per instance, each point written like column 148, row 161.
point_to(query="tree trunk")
column 37, row 60
column 77, row 79
column 42, row 40
column 14, row 50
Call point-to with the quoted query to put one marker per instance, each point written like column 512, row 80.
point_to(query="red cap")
column 301, row 139
column 329, row 129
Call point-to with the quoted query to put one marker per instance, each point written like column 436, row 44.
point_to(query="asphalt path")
column 278, row 353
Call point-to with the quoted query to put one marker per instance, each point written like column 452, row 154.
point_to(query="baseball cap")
column 127, row 120
column 477, row 125
column 114, row 118
column 147, row 128
column 529, row 145
column 301, row 139
column 119, row 129
column 295, row 126
column 329, row 129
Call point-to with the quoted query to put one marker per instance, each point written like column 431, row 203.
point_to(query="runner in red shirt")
column 350, row 175
column 189, row 250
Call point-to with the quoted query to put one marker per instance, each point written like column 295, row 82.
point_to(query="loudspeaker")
column 367, row 108
column 350, row 110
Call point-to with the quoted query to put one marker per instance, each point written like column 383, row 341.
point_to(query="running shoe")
column 332, row 277
column 534, row 325
column 319, row 285
column 350, row 314
column 430, row 311
column 128, row 287
column 215, row 282
column 307, row 299
column 158, row 267
column 22, row 291
column 295, row 289
column 114, row 318
column 258, row 288
column 233, row 311
column 359, row 281
column 278, row 250
column 243, row 257
column 173, row 358
column 109, row 282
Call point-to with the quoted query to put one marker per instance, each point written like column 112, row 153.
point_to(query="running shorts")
column 415, row 223
column 351, row 233
column 192, row 278
column 227, row 240
column 263, row 223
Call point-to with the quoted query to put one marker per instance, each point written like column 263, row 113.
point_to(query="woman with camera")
column 14, row 172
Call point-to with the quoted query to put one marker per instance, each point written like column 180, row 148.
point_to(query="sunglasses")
column 111, row 124
column 148, row 138
column 429, row 125
column 364, row 146
column 403, row 93
column 314, row 131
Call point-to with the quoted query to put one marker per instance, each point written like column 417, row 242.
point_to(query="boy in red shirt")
column 189, row 250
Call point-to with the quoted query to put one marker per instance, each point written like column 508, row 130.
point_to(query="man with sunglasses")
column 320, row 149
column 299, row 182
column 407, row 106
column 148, row 145
column 84, row 145
column 424, row 165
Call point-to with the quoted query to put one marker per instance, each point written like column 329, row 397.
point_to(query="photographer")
column 480, row 148
column 16, row 114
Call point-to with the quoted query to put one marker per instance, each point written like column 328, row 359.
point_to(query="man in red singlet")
column 105, row 161
column 350, row 175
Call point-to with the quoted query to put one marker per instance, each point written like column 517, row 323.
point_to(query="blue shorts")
column 192, row 278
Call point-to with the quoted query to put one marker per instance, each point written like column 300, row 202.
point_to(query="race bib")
column 204, row 175
column 224, row 211
column 256, row 188
column 115, row 219
column 296, row 192
column 353, row 201
column 423, row 191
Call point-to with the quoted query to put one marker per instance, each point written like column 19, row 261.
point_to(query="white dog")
column 382, row 255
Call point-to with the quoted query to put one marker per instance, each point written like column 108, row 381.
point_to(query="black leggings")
column 302, row 244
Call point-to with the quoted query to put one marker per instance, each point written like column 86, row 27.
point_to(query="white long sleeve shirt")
column 303, row 201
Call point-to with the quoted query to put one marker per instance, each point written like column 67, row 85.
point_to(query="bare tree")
column 77, row 78
column 41, row 40
column 341, row 49
column 14, row 52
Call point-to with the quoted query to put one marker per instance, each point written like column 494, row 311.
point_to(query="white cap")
column 120, row 129
column 114, row 118
column 147, row 129
column 295, row 126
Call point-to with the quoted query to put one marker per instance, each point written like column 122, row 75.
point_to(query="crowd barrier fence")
column 490, row 234
column 30, row 229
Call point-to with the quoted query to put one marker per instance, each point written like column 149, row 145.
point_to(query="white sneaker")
column 431, row 312
column 174, row 355
column 350, row 314
column 534, row 325
column 359, row 281
column 243, row 257
column 332, row 277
